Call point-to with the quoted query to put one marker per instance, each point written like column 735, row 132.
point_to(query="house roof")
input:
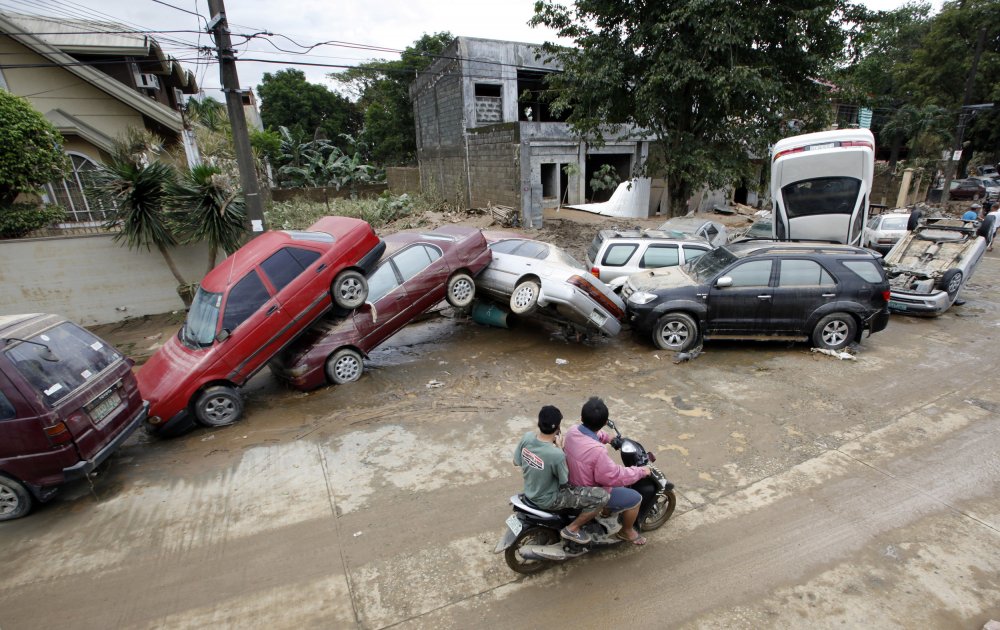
column 21, row 29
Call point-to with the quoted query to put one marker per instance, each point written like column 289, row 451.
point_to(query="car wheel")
column 529, row 536
column 834, row 331
column 349, row 289
column 15, row 500
column 914, row 220
column 524, row 299
column 344, row 366
column 675, row 331
column 218, row 406
column 461, row 290
column 951, row 282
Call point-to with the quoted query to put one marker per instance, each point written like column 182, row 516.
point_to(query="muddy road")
column 812, row 492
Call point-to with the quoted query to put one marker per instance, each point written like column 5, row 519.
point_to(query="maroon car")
column 417, row 271
column 249, row 307
column 68, row 400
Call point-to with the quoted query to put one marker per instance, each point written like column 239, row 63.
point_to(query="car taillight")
column 845, row 144
column 58, row 434
column 886, row 295
column 595, row 294
column 595, row 271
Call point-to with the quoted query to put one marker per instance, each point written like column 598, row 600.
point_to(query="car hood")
column 659, row 279
column 167, row 371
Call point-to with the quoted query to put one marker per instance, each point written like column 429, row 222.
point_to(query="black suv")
column 762, row 290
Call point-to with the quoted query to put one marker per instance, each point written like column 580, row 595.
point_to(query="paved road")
column 812, row 493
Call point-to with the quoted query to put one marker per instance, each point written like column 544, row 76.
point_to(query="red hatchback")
column 417, row 272
column 247, row 309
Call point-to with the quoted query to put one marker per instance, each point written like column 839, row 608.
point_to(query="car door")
column 744, row 307
column 255, row 323
column 659, row 255
column 291, row 273
column 803, row 286
column 386, row 298
column 424, row 272
column 692, row 252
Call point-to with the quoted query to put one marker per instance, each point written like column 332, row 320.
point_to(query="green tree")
column 383, row 91
column 710, row 80
column 210, row 209
column 31, row 153
column 307, row 109
column 208, row 112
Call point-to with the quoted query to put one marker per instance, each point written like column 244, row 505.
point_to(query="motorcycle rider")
column 546, row 476
column 590, row 465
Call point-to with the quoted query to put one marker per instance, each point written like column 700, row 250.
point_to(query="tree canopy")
column 382, row 88
column 31, row 153
column 308, row 110
column 711, row 80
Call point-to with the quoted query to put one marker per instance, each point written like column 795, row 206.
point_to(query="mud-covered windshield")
column 704, row 268
column 202, row 319
column 59, row 360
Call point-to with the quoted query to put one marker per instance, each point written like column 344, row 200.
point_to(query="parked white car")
column 538, row 278
column 712, row 231
column 617, row 253
column 885, row 230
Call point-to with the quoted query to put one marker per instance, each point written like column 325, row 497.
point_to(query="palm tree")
column 207, row 112
column 209, row 209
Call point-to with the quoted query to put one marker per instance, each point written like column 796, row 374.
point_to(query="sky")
column 387, row 24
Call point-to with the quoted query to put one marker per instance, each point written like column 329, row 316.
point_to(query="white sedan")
column 536, row 277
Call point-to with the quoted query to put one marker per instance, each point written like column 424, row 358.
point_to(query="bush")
column 19, row 219
column 31, row 152
column 299, row 214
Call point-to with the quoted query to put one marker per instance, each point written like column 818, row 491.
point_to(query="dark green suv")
column 824, row 293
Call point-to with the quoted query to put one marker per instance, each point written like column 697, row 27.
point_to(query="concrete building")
column 484, row 135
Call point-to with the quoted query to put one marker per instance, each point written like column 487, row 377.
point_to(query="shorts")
column 583, row 498
column 623, row 499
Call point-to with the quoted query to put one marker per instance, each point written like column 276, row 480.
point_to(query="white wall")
column 87, row 278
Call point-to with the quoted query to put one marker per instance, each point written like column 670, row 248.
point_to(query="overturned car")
column 929, row 266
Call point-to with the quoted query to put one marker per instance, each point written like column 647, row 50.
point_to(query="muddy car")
column 540, row 279
column 618, row 253
column 417, row 271
column 929, row 266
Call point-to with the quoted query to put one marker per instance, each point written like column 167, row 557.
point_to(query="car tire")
column 835, row 331
column 951, row 283
column 218, row 406
column 676, row 332
column 461, row 290
column 349, row 289
column 524, row 299
column 344, row 366
column 914, row 220
column 986, row 228
column 15, row 500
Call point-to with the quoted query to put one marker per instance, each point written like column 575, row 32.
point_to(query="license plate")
column 105, row 407
column 514, row 524
column 899, row 306
column 598, row 318
column 820, row 147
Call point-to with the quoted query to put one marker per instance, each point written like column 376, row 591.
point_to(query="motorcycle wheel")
column 660, row 513
column 529, row 536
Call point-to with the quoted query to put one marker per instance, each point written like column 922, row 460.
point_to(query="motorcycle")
column 531, row 541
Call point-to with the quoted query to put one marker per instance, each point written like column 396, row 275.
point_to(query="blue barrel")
column 489, row 314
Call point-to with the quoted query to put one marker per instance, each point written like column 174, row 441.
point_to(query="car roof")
column 658, row 235
column 742, row 249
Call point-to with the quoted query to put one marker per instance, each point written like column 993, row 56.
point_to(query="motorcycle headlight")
column 641, row 297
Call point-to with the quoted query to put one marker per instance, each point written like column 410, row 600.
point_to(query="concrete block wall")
column 494, row 167
column 403, row 179
column 91, row 279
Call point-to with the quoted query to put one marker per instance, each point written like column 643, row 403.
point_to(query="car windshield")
column 822, row 195
column 894, row 223
column 704, row 268
column 202, row 319
column 59, row 360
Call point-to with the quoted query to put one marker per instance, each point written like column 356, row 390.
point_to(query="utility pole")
column 963, row 116
column 219, row 27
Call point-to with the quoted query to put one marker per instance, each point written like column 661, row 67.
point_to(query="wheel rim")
column 350, row 289
column 524, row 296
column 835, row 333
column 955, row 284
column 8, row 501
column 347, row 368
column 461, row 290
column 675, row 333
column 220, row 410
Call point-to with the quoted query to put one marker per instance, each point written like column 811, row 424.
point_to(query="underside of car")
column 923, row 257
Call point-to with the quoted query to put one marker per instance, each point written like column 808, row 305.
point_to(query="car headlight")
column 641, row 297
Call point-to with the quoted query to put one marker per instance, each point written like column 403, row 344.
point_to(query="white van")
column 821, row 184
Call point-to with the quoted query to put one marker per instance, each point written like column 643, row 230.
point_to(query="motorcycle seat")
column 529, row 503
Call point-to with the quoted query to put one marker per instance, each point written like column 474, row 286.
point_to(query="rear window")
column 867, row 269
column 595, row 247
column 821, row 195
column 894, row 223
column 59, row 360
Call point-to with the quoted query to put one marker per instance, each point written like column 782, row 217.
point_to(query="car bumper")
column 577, row 307
column 85, row 467
column 641, row 319
column 931, row 304
column 179, row 423
column 879, row 321
column 302, row 381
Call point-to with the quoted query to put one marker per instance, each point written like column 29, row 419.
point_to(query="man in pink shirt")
column 590, row 465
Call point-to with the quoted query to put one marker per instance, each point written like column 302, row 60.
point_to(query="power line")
column 172, row 6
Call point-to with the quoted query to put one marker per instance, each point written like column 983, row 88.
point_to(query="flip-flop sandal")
column 638, row 541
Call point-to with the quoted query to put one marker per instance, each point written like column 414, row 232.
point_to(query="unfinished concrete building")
column 485, row 135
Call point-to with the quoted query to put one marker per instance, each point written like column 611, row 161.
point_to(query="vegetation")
column 19, row 219
column 31, row 153
column 308, row 110
column 322, row 163
column 383, row 91
column 210, row 209
column 379, row 212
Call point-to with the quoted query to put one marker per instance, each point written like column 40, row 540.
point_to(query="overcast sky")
column 390, row 24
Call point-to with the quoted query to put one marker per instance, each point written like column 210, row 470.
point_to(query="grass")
column 299, row 214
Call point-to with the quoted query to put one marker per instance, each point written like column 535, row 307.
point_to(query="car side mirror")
column 723, row 282
column 223, row 335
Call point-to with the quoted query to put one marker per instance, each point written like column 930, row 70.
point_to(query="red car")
column 248, row 308
column 417, row 272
